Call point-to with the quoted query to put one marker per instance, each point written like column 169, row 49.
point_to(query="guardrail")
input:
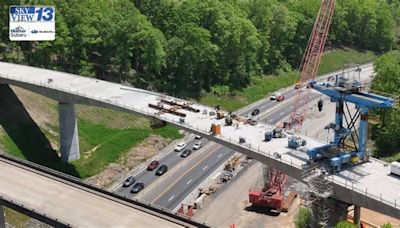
column 135, row 203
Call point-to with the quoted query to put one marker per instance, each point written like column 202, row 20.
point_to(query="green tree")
column 387, row 225
column 345, row 224
column 303, row 219
column 387, row 80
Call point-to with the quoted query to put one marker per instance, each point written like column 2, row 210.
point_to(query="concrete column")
column 2, row 219
column 357, row 215
column 363, row 132
column 69, row 141
column 338, row 212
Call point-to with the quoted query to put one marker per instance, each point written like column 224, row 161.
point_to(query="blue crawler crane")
column 342, row 93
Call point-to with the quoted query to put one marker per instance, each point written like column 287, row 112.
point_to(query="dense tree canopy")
column 184, row 47
column 387, row 135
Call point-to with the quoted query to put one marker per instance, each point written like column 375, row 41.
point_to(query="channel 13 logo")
column 31, row 14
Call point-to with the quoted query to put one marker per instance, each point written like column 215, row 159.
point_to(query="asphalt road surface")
column 170, row 190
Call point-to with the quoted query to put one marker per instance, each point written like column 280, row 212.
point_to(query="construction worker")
column 320, row 105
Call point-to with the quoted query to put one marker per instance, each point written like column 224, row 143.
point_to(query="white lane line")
column 220, row 155
column 189, row 181
column 171, row 198
column 205, row 167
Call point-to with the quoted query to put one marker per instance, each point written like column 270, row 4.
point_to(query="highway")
column 71, row 89
column 174, row 187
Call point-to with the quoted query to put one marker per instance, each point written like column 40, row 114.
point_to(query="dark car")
column 153, row 165
column 161, row 170
column 137, row 187
column 255, row 112
column 186, row 153
column 129, row 181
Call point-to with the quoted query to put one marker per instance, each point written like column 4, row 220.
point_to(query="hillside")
column 30, row 131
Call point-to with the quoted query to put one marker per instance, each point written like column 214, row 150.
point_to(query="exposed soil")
column 133, row 158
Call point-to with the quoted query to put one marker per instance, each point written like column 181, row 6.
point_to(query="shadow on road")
column 27, row 135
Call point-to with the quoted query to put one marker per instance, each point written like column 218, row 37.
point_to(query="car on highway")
column 275, row 95
column 161, row 170
column 198, row 145
column 255, row 112
column 280, row 98
column 137, row 187
column 129, row 181
column 180, row 146
column 198, row 137
column 186, row 153
column 153, row 165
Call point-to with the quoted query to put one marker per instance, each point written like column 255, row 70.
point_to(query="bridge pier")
column 2, row 219
column 339, row 212
column 357, row 215
column 69, row 140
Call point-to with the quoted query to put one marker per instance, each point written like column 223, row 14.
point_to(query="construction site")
column 304, row 148
column 270, row 191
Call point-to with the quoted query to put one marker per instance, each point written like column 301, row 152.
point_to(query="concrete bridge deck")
column 368, row 185
column 71, row 204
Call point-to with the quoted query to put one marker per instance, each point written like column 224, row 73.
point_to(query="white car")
column 198, row 137
column 197, row 145
column 275, row 95
column 180, row 146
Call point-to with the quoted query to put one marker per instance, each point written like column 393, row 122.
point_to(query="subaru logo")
column 34, row 31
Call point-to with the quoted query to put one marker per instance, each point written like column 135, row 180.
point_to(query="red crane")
column 311, row 60
column 272, row 195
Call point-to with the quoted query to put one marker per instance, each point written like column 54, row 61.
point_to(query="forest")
column 186, row 47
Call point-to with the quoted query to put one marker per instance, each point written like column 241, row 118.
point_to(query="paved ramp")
column 72, row 204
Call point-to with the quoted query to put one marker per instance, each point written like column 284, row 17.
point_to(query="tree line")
column 387, row 132
column 185, row 47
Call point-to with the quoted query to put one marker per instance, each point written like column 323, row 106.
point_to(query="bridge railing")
column 25, row 208
column 247, row 146
column 350, row 185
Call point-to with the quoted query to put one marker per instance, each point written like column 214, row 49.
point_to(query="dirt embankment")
column 133, row 158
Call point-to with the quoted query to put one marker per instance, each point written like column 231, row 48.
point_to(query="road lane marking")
column 205, row 167
column 171, row 198
column 184, row 174
column 189, row 181
column 220, row 155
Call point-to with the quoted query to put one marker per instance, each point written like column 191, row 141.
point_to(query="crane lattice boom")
column 311, row 60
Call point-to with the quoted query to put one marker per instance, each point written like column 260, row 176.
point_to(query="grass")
column 262, row 86
column 395, row 157
column 110, row 143
column 258, row 89
column 15, row 218
column 336, row 59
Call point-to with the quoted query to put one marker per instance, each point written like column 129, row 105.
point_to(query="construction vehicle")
column 271, row 195
column 231, row 164
column 220, row 114
column 343, row 92
column 275, row 133
column 295, row 142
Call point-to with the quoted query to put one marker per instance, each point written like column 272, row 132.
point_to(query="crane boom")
column 311, row 60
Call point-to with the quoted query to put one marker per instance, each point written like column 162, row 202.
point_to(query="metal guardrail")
column 135, row 203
